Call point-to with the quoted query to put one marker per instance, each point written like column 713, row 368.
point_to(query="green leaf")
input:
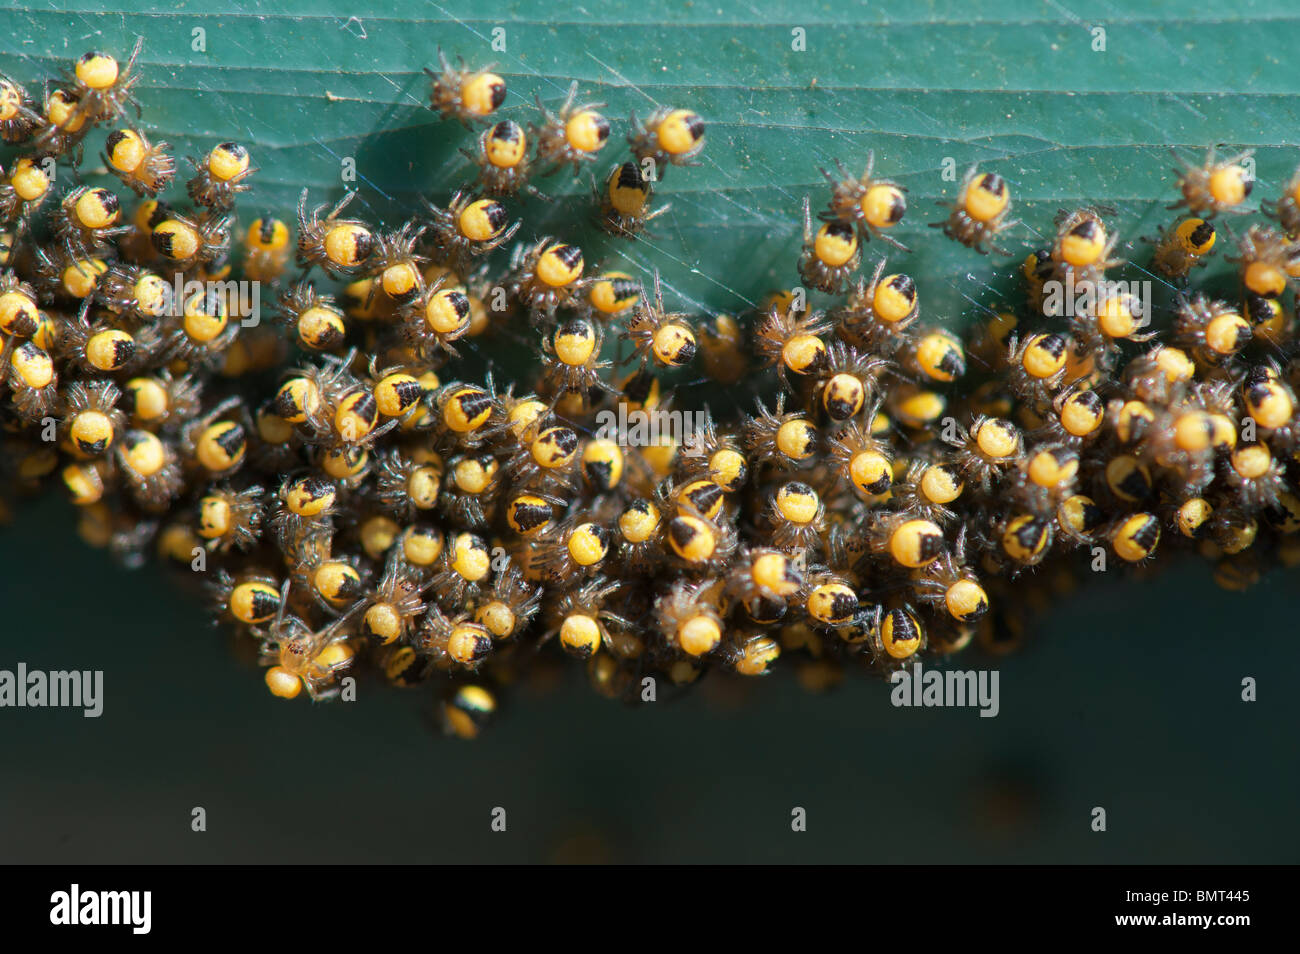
column 1016, row 86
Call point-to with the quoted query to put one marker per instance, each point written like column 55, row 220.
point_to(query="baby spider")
column 669, row 136
column 544, row 462
column 950, row 583
column 1267, row 259
column 1037, row 367
column 65, row 276
column 463, row 571
column 341, row 247
column 784, row 440
column 873, row 205
column 625, row 200
column 1272, row 405
column 1044, row 479
column 987, row 449
column 220, row 177
column 1079, row 519
column 715, row 454
column 862, row 461
column 749, row 653
column 979, row 214
column 230, row 518
column 102, row 86
column 20, row 313
column 91, row 419
column 1076, row 417
column 829, row 599
column 791, row 341
column 396, row 265
column 470, row 492
column 316, row 323
column 611, row 294
column 301, row 657
column 1134, row 537
column 571, row 359
column 937, row 355
column 1183, row 247
column 63, row 126
column 150, row 470
column 1286, row 208
column 1215, row 187
column 405, row 486
column 187, row 242
column 469, row 227
column 87, row 219
column 847, row 381
column 1214, row 330
column 545, row 276
column 135, row 293
column 829, row 257
column 465, row 414
column 508, row 608
column 641, row 535
column 466, row 710
column 877, row 315
column 698, row 543
column 101, row 348
column 502, row 159
column 1022, row 540
column 144, row 167
column 1255, row 475
column 666, row 337
column 690, row 616
column 420, row 545
column 21, row 193
column 581, row 620
column 32, row 379
column 926, row 490
column 391, row 607
column 18, row 120
column 796, row 517
column 304, row 519
column 601, row 463
column 573, row 136
column 762, row 580
column 201, row 333
column 161, row 399
column 267, row 246
column 252, row 598
column 911, row 542
column 436, row 318
column 453, row 640
column 215, row 443
column 462, row 94
column 335, row 583
column 1083, row 244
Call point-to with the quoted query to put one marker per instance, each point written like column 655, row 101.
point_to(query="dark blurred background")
column 1127, row 697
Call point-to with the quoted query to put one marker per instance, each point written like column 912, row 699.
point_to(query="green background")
column 1013, row 85
column 1127, row 698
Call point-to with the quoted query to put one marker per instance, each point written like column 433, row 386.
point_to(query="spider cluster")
column 361, row 496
